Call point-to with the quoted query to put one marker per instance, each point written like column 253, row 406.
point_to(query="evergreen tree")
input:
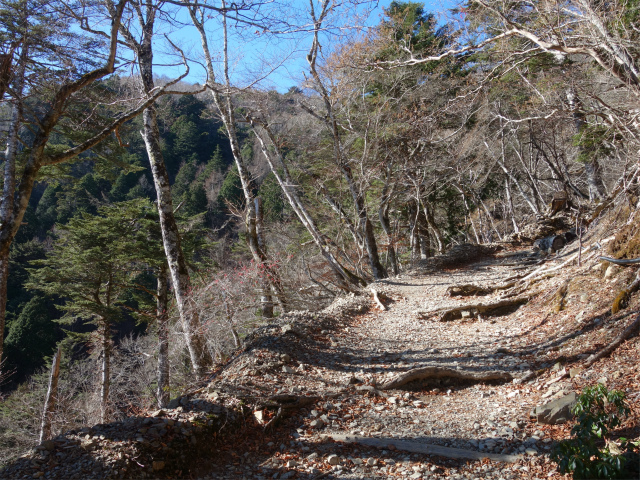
column 33, row 335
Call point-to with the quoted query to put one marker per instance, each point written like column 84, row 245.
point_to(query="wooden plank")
column 425, row 448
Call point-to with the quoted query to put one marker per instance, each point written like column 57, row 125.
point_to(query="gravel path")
column 378, row 345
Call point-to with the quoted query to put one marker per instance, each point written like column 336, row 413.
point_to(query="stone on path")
column 557, row 411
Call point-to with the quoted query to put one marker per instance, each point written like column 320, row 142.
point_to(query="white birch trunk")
column 162, row 319
column 51, row 398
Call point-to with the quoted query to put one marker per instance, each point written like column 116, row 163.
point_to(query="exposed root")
column 372, row 390
column 615, row 343
column 424, row 448
column 376, row 298
column 284, row 404
column 501, row 307
column 425, row 373
column 470, row 290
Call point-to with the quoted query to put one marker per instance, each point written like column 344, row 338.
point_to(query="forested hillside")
column 149, row 220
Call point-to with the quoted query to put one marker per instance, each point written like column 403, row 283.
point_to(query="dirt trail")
column 282, row 407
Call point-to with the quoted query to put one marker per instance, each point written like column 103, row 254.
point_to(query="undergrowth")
column 592, row 452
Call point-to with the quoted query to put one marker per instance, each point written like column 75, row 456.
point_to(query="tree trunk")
column 433, row 227
column 512, row 213
column 597, row 190
column 227, row 114
column 347, row 278
column 424, row 247
column 414, row 238
column 266, row 301
column 383, row 215
column 105, row 374
column 9, row 190
column 4, row 278
column 162, row 319
column 50, row 399
column 170, row 235
column 232, row 327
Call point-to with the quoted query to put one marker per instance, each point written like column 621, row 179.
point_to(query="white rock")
column 333, row 459
column 317, row 423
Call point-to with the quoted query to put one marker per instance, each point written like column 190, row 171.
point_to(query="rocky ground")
column 320, row 395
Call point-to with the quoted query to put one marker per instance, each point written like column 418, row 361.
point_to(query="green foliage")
column 594, row 142
column 591, row 453
column 231, row 189
column 273, row 201
column 20, row 256
column 33, row 335
column 127, row 179
column 95, row 260
column 185, row 176
column 217, row 160
column 47, row 209
column 411, row 25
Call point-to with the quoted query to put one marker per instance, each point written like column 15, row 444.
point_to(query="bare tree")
column 146, row 13
column 222, row 94
column 318, row 18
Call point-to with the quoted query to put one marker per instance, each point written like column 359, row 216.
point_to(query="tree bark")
column 170, row 235
column 9, row 185
column 51, row 398
column 266, row 300
column 383, row 215
column 595, row 184
column 162, row 319
column 512, row 212
column 105, row 372
column 428, row 213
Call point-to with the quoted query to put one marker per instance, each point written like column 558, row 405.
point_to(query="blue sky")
column 275, row 63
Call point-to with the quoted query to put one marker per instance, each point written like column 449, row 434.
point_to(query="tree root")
column 376, row 298
column 283, row 404
column 425, row 373
column 615, row 343
column 474, row 310
column 470, row 290
column 372, row 390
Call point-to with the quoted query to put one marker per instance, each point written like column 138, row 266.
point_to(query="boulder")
column 557, row 411
column 550, row 244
